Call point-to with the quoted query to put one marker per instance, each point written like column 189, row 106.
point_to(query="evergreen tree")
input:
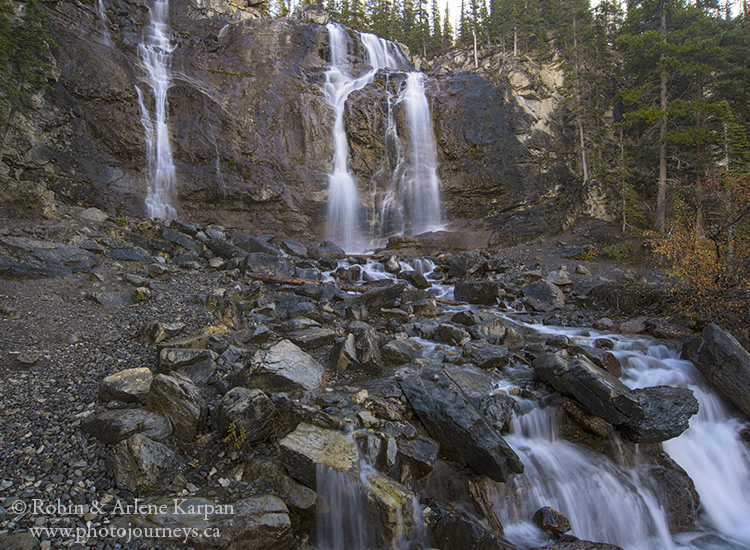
column 436, row 38
column 447, row 29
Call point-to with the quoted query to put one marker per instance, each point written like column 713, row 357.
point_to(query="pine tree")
column 447, row 29
column 436, row 38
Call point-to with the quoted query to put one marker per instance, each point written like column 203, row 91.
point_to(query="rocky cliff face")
column 251, row 130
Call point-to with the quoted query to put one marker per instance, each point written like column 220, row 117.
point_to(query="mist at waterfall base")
column 155, row 53
column 613, row 501
column 412, row 201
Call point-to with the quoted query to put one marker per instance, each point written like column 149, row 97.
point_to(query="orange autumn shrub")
column 710, row 261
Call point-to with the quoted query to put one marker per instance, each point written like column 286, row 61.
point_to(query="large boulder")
column 309, row 447
column 544, row 296
column 249, row 410
column 197, row 364
column 256, row 522
column 462, row 432
column 178, row 398
column 129, row 385
column 113, row 426
column 724, row 363
column 598, row 391
column 666, row 414
column 477, row 291
column 140, row 463
column 283, row 366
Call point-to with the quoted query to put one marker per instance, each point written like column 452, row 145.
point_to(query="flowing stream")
column 156, row 54
column 412, row 202
column 613, row 501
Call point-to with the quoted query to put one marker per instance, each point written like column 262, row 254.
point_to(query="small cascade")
column 105, row 22
column 350, row 509
column 603, row 501
column 156, row 53
column 710, row 451
column 411, row 203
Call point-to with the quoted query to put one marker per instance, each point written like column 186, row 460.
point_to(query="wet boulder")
column 260, row 521
column 569, row 542
column 400, row 351
column 141, row 463
column 197, row 364
column 666, row 414
column 113, row 426
column 452, row 334
column 129, row 385
column 598, row 391
column 462, row 432
column 310, row 447
column 178, row 398
column 724, row 363
column 485, row 355
column 382, row 297
column 454, row 528
column 467, row 264
column 543, row 296
column 249, row 411
column 551, row 521
column 282, row 366
column 477, row 291
column 269, row 264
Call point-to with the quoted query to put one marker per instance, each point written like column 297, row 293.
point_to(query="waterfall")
column 603, row 501
column 412, row 201
column 105, row 24
column 156, row 52
column 421, row 190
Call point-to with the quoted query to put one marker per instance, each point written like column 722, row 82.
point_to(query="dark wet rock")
column 667, row 412
column 266, row 476
column 19, row 541
column 295, row 248
column 452, row 334
column 224, row 249
column 113, row 426
column 597, row 390
column 543, row 296
column 419, row 454
column 391, row 265
column 282, row 366
column 230, row 313
column 382, row 297
column 260, row 521
column 486, row 355
column 159, row 272
column 326, row 249
column 369, row 357
column 492, row 331
column 477, row 291
column 179, row 238
column 425, row 308
column 550, row 520
column 675, row 492
column 400, row 351
column 457, row 529
column 199, row 365
column 178, row 398
column 130, row 254
column 589, row 421
column 249, row 411
column 129, row 386
column 291, row 413
column 624, row 296
column 415, row 278
column 462, row 432
column 311, row 338
column 112, row 299
column 138, row 463
column 268, row 264
column 154, row 332
column 312, row 291
column 604, row 359
column 466, row 264
column 480, row 389
column 344, row 354
column 724, row 362
column 569, row 542
column 309, row 446
column 255, row 244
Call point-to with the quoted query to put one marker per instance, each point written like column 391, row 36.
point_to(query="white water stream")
column 156, row 54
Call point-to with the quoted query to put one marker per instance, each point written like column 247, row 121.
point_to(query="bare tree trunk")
column 661, row 200
column 476, row 59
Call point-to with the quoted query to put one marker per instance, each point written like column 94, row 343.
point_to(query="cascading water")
column 420, row 191
column 103, row 18
column 412, row 202
column 156, row 53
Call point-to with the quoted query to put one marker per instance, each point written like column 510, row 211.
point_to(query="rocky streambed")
column 170, row 385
